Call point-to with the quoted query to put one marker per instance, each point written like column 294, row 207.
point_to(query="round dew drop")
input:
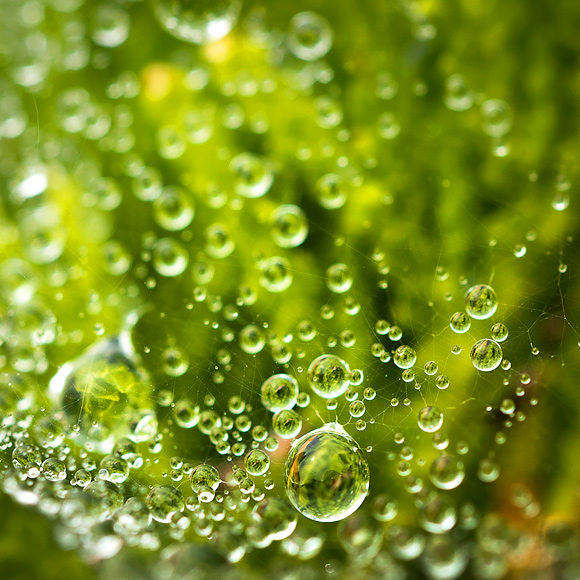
column 204, row 480
column 338, row 278
column 430, row 419
column 253, row 174
column 289, row 226
column 357, row 409
column 287, row 424
column 256, row 462
column 173, row 210
column 499, row 332
column 460, row 322
column 163, row 502
column 219, row 243
column 110, row 26
column 327, row 476
column 170, row 257
column 486, row 355
column 404, row 357
column 252, row 339
column 175, row 361
column 279, row 392
column 276, row 274
column 330, row 191
column 497, row 117
column 431, row 368
column 310, row 36
column 329, row 376
column 185, row 413
column 197, row 22
column 447, row 472
column 388, row 128
column 54, row 469
column 481, row 302
column 277, row 517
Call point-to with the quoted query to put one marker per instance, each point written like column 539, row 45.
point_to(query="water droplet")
column 310, row 36
column 170, row 257
column 289, row 226
column 486, row 355
column 110, row 25
column 447, row 472
column 460, row 322
column 328, row 376
column 276, row 274
column 163, row 502
column 481, row 302
column 54, row 469
column 204, row 480
column 198, row 21
column 327, row 476
column 287, row 423
column 254, row 175
column 431, row 368
column 331, row 191
column 430, row 419
column 388, row 128
column 252, row 339
column 457, row 96
column 218, row 241
column 173, row 210
column 499, row 332
column 106, row 386
column 279, row 392
column 257, row 462
column 404, row 357
column 497, row 117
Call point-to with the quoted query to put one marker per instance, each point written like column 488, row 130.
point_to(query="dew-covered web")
column 182, row 222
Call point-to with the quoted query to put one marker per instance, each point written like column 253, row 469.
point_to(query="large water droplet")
column 106, row 392
column 327, row 476
column 486, row 355
column 198, row 21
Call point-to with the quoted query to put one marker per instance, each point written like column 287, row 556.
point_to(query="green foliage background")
column 435, row 199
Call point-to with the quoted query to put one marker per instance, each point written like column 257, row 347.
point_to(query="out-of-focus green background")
column 443, row 201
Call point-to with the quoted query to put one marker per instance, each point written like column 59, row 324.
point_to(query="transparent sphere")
column 486, row 355
column 198, row 21
column 252, row 339
column 289, row 226
column 287, row 424
column 460, row 322
column 173, row 210
column 110, row 25
column 256, row 462
column 253, row 175
column 499, row 332
column 310, row 36
column 279, row 392
column 481, row 302
column 163, row 502
column 404, row 357
column 430, row 419
column 338, row 278
column 329, row 376
column 330, row 191
column 327, row 476
column 170, row 257
column 204, row 480
column 106, row 386
column 276, row 274
column 497, row 117
column 447, row 472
